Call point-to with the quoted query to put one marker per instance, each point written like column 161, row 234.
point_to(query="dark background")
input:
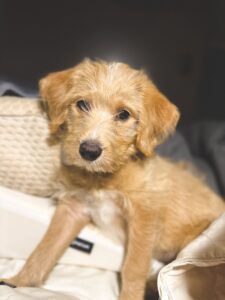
column 181, row 44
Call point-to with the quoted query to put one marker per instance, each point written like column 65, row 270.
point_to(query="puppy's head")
column 105, row 113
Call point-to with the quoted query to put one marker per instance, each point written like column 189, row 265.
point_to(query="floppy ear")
column 53, row 90
column 158, row 119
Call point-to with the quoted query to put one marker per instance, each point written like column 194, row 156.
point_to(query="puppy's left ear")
column 53, row 91
column 158, row 119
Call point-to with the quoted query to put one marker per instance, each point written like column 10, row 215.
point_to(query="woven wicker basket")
column 27, row 162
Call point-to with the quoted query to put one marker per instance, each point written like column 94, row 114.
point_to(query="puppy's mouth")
column 90, row 150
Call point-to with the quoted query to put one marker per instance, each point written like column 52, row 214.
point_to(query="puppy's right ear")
column 53, row 90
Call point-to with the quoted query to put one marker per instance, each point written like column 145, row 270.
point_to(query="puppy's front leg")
column 65, row 225
column 138, row 256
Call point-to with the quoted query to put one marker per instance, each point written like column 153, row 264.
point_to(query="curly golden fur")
column 154, row 205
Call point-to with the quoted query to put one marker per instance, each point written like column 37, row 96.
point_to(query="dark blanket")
column 203, row 145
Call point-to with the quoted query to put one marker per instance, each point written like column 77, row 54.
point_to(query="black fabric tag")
column 82, row 245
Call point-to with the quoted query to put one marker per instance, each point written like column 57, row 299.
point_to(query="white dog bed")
column 66, row 282
column 198, row 272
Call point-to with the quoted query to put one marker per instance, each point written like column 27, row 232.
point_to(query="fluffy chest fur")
column 102, row 205
column 105, row 213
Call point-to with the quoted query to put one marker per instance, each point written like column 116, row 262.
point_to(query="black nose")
column 90, row 150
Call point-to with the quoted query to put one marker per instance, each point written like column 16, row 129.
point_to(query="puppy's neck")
column 82, row 178
column 76, row 176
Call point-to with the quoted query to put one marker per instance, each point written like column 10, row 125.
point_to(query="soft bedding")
column 66, row 282
column 198, row 273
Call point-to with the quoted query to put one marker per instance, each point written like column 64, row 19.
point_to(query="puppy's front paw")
column 18, row 281
column 4, row 282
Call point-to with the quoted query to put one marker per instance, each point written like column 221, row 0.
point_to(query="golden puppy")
column 109, row 118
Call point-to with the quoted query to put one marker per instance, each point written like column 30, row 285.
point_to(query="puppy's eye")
column 83, row 105
column 123, row 115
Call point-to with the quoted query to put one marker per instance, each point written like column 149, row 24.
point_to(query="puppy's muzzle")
column 90, row 150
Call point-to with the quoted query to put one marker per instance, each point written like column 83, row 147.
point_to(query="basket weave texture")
column 27, row 162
